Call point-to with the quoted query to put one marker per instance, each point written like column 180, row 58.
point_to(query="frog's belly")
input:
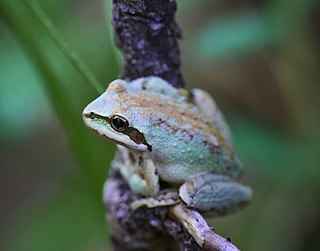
column 176, row 169
column 180, row 173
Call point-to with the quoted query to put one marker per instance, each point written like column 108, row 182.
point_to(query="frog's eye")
column 118, row 123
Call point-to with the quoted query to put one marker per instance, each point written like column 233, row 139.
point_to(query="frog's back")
column 185, row 140
column 188, row 143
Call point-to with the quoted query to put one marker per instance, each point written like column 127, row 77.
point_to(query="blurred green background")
column 260, row 61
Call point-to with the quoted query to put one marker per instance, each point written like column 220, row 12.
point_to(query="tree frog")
column 170, row 138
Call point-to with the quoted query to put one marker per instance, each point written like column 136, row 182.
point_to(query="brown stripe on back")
column 180, row 112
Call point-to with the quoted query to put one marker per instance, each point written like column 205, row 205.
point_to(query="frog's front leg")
column 139, row 172
column 214, row 194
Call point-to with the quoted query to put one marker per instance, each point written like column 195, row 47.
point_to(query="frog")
column 175, row 145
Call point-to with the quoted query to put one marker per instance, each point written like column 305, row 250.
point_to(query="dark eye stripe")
column 133, row 133
column 137, row 137
column 93, row 115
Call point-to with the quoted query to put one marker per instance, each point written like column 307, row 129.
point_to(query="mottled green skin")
column 178, row 139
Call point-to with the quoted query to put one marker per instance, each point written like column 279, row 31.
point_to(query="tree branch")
column 146, row 33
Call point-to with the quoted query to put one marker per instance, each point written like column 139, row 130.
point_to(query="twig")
column 199, row 229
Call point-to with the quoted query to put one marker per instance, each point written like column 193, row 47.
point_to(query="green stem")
column 70, row 54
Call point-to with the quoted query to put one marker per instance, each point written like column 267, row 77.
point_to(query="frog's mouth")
column 130, row 138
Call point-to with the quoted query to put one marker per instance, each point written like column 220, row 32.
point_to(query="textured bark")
column 146, row 33
column 143, row 229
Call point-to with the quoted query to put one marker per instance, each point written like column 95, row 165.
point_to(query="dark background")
column 259, row 60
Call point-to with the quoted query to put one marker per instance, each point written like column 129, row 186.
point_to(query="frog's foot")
column 163, row 198
column 214, row 195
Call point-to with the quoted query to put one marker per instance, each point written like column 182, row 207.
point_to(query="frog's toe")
column 164, row 198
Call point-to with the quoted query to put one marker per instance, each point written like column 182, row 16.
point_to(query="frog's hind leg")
column 214, row 195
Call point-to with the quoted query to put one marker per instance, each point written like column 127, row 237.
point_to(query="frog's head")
column 112, row 116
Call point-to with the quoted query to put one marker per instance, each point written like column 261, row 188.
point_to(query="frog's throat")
column 134, row 134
